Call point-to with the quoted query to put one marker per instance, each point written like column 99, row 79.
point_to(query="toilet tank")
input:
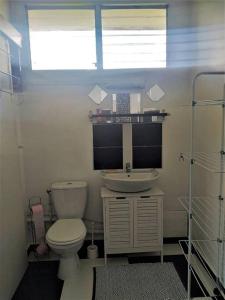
column 69, row 199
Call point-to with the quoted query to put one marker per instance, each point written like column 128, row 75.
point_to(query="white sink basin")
column 131, row 182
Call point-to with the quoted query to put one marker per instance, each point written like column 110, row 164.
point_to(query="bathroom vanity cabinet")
column 133, row 222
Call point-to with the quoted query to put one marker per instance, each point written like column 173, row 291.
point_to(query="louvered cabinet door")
column 119, row 223
column 148, row 222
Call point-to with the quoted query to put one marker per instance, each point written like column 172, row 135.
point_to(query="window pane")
column 147, row 157
column 147, row 145
column 147, row 134
column 108, row 135
column 108, row 158
column 134, row 38
column 62, row 39
column 108, row 146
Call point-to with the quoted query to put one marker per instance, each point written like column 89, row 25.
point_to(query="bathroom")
column 51, row 110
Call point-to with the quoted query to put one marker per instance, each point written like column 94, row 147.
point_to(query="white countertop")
column 105, row 193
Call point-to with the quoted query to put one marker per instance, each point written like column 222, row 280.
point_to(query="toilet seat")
column 66, row 231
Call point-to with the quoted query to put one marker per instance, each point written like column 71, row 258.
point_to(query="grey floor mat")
column 151, row 281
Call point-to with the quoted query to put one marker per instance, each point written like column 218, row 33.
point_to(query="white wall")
column 12, row 221
column 57, row 135
column 208, row 24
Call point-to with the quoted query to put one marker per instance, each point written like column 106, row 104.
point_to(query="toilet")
column 66, row 236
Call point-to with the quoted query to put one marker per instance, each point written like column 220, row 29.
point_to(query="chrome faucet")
column 128, row 167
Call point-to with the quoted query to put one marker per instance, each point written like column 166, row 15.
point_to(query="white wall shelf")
column 9, row 81
column 204, row 210
column 5, row 52
column 10, row 31
column 115, row 118
column 209, row 102
column 200, row 270
column 208, row 161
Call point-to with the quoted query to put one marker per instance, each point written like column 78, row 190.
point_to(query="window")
column 146, row 144
column 62, row 39
column 112, row 37
column 134, row 38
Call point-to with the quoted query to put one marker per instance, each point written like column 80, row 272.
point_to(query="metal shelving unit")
column 10, row 39
column 8, row 77
column 205, row 213
column 208, row 161
column 199, row 269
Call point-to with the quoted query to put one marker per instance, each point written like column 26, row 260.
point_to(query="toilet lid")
column 66, row 231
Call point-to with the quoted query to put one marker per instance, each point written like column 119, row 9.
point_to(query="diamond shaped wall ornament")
column 97, row 94
column 155, row 93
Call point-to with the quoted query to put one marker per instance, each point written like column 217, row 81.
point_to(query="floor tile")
column 40, row 282
column 80, row 288
column 172, row 249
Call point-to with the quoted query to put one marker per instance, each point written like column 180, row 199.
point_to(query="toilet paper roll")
column 92, row 251
column 38, row 221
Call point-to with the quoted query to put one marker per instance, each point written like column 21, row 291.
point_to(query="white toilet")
column 66, row 236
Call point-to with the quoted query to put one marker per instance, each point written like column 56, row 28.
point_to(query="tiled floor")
column 41, row 283
column 82, row 288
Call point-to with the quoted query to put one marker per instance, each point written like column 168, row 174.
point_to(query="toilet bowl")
column 65, row 237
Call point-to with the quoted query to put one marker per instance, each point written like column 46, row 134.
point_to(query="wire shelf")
column 5, row 52
column 200, row 270
column 204, row 211
column 208, row 161
column 6, row 92
column 13, row 80
column 209, row 102
column 9, row 75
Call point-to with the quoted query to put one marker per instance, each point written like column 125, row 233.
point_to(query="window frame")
column 97, row 8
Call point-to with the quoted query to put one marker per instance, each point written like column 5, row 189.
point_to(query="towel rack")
column 206, row 212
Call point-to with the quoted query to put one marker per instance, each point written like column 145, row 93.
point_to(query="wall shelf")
column 10, row 31
column 208, row 161
column 204, row 209
column 209, row 102
column 201, row 272
column 11, row 78
column 10, row 83
column 9, row 75
column 6, row 92
column 5, row 52
column 128, row 118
